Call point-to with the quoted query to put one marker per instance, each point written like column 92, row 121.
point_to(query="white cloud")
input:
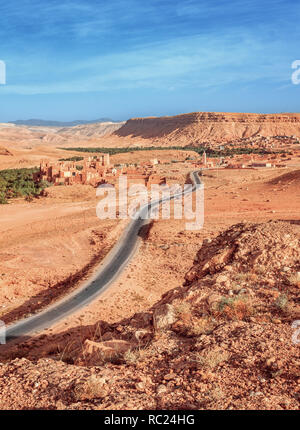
column 208, row 59
column 201, row 61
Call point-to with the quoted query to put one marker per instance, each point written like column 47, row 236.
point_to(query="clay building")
column 92, row 172
column 135, row 176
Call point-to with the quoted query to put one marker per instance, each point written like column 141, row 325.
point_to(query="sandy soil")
column 61, row 236
column 231, row 196
column 48, row 246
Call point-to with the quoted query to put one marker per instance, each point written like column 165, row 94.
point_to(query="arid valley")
column 198, row 319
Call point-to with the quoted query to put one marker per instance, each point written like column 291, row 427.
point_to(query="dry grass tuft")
column 282, row 303
column 212, row 359
column 132, row 356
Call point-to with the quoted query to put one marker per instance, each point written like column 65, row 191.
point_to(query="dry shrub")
column 239, row 308
column 188, row 324
column 68, row 353
column 131, row 356
column 212, row 359
column 282, row 303
column 182, row 308
column 138, row 298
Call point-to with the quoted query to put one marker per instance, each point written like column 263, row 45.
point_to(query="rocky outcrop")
column 199, row 127
column 163, row 317
column 192, row 129
column 219, row 343
column 247, row 248
column 96, row 353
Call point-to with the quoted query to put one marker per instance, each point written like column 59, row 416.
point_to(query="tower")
column 106, row 160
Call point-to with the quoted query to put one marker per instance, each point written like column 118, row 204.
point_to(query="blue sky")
column 85, row 59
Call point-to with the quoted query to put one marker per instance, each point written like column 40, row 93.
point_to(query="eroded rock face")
column 268, row 247
column 210, row 264
column 210, row 126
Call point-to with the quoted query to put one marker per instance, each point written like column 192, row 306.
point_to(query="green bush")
column 19, row 183
column 75, row 158
column 226, row 152
column 3, row 200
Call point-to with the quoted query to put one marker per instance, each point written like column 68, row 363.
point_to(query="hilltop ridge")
column 190, row 129
column 199, row 127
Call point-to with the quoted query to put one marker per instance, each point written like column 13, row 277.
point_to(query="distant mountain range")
column 45, row 123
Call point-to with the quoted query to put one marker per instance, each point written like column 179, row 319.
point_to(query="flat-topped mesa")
column 225, row 116
column 197, row 127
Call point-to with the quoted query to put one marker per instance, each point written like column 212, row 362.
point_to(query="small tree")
column 3, row 200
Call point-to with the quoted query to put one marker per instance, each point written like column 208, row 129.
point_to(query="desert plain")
column 201, row 319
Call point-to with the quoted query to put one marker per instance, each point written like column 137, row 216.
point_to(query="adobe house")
column 93, row 171
column 156, row 179
column 261, row 164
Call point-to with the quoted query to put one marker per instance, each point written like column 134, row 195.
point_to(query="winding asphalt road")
column 109, row 270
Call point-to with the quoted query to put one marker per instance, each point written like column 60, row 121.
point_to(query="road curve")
column 110, row 268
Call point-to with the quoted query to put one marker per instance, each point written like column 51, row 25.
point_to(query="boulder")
column 163, row 317
column 94, row 353
column 143, row 335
